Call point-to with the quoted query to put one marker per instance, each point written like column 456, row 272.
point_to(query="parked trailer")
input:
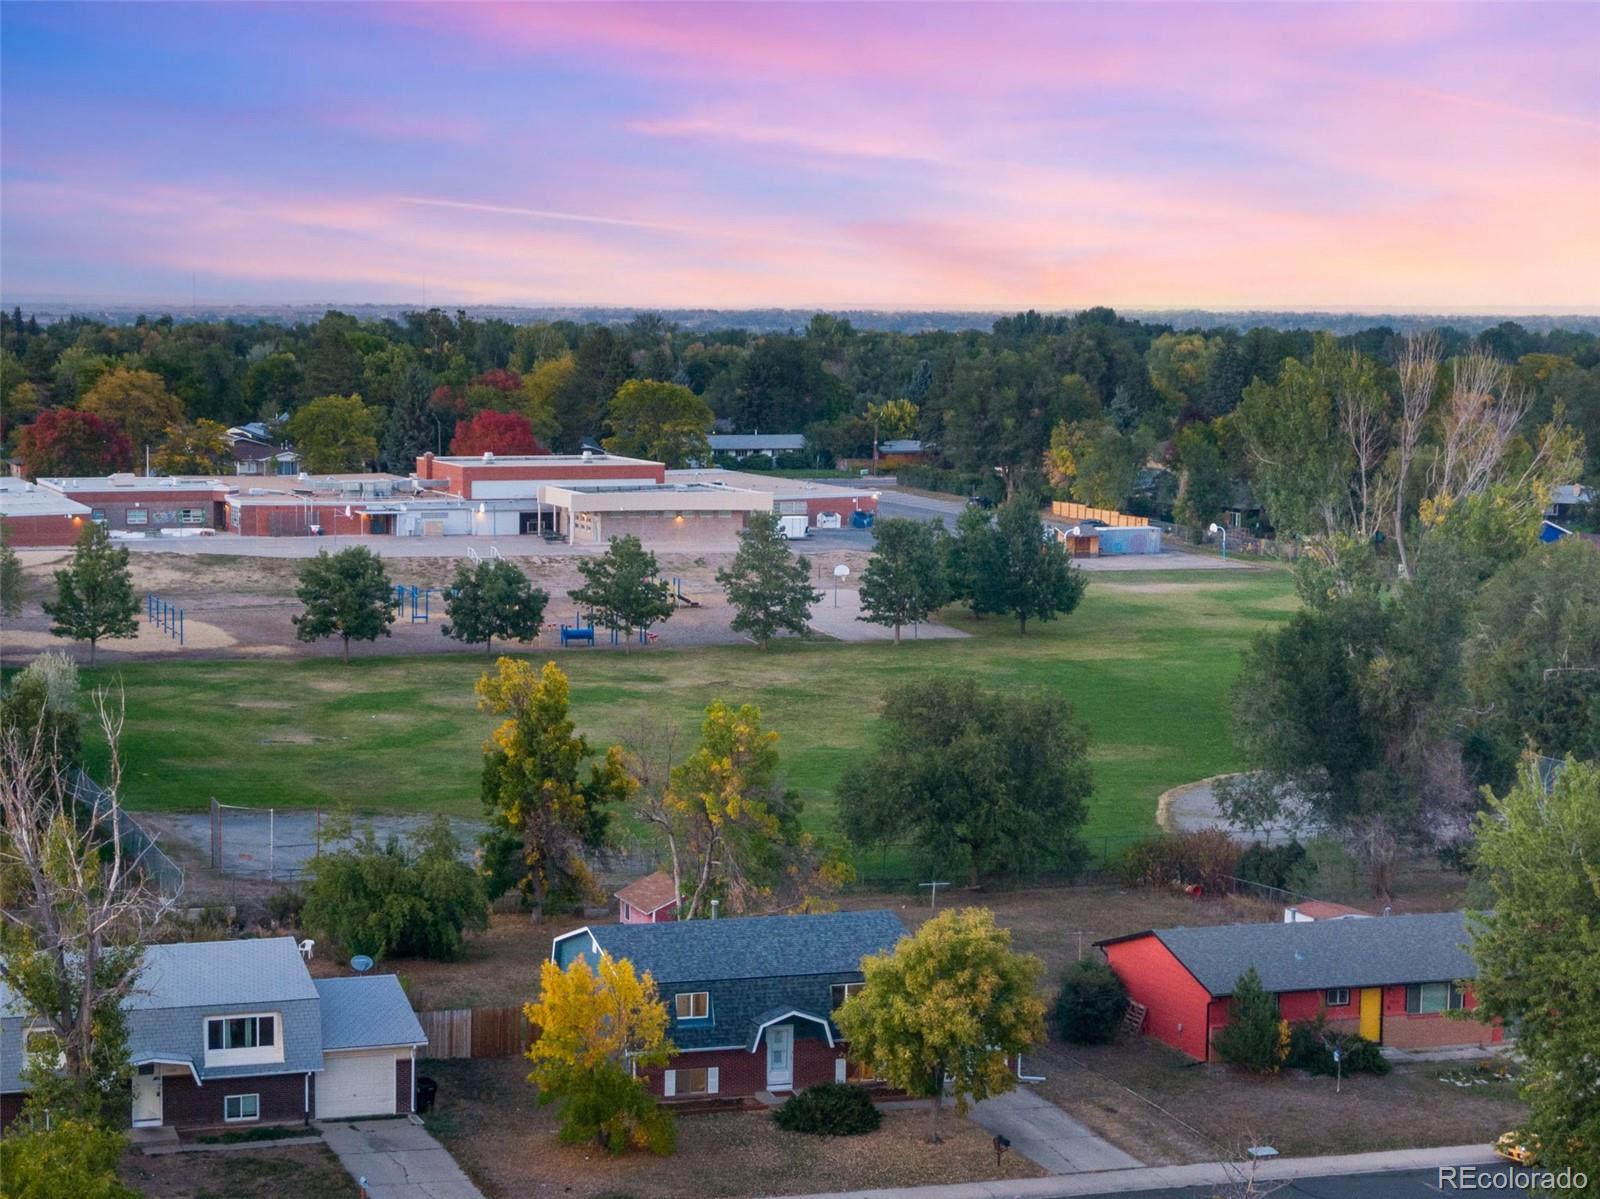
column 793, row 528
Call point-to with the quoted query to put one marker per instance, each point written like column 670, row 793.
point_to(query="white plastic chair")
column 305, row 949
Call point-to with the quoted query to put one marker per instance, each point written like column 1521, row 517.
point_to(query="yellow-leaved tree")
column 597, row 1026
column 951, row 1002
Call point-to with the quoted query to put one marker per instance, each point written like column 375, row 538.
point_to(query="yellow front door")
column 1372, row 1013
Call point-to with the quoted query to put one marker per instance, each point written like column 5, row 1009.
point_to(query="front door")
column 780, row 1057
column 147, row 1110
column 1372, row 1013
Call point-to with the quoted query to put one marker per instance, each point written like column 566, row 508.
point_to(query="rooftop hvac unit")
column 488, row 455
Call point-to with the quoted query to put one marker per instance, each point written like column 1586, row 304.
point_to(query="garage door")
column 356, row 1084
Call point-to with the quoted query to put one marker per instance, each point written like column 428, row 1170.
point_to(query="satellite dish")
column 840, row 571
column 361, row 963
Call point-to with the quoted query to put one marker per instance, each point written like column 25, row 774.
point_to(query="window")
column 98, row 515
column 137, row 516
column 843, row 991
column 692, row 1082
column 692, row 1005
column 1337, row 997
column 1426, row 998
column 191, row 516
column 241, row 1107
column 791, row 507
column 240, row 1032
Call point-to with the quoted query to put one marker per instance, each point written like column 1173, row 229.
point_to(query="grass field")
column 1147, row 660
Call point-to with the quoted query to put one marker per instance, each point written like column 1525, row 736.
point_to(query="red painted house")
column 1393, row 979
column 751, row 998
column 652, row 899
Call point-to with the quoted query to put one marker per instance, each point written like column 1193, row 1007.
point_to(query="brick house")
column 1393, row 979
column 751, row 998
column 238, row 1032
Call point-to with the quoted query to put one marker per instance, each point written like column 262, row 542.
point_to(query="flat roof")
column 777, row 486
column 18, row 497
column 123, row 482
column 526, row 460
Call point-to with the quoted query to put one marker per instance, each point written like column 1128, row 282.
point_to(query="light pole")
column 1216, row 528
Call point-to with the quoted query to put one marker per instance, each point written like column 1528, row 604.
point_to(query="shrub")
column 833, row 1109
column 284, row 907
column 1272, row 865
column 1254, row 1038
column 1205, row 858
column 1311, row 1046
column 72, row 1157
column 1090, row 1004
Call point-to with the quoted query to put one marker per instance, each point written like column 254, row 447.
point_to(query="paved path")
column 1209, row 1177
column 1041, row 1131
column 398, row 1160
column 841, row 621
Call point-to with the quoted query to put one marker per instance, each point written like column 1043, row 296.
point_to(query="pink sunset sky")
column 1426, row 156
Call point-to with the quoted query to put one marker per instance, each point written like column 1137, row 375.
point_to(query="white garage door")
column 356, row 1084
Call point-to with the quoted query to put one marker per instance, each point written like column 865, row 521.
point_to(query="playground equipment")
column 164, row 616
column 420, row 599
column 577, row 633
column 677, row 594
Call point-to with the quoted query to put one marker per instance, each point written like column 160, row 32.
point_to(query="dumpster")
column 427, row 1089
column 861, row 520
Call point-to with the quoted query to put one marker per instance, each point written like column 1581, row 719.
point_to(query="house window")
column 241, row 1107
column 692, row 1005
column 137, row 516
column 98, row 515
column 1337, row 997
column 240, row 1032
column 1427, row 998
column 191, row 516
column 843, row 991
column 692, row 1082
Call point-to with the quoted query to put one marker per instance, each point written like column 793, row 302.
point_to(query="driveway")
column 398, row 1160
column 1041, row 1131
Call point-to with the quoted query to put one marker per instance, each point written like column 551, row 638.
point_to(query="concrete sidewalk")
column 1041, row 1131
column 835, row 616
column 1152, row 1178
column 398, row 1160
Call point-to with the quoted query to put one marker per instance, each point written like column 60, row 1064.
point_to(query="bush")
column 1205, row 858
column 932, row 478
column 1311, row 1047
column 71, row 1158
column 609, row 1107
column 833, row 1109
column 285, row 906
column 1272, row 865
column 1254, row 1038
column 1090, row 1004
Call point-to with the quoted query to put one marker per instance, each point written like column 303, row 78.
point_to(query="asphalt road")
column 1413, row 1184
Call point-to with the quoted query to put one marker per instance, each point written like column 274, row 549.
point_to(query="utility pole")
column 933, row 893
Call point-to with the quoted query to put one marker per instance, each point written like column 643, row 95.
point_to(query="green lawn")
column 1147, row 660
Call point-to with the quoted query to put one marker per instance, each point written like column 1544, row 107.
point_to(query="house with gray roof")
column 751, row 998
column 238, row 1032
column 1391, row 979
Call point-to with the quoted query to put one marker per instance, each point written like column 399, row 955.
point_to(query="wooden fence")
column 1108, row 516
column 476, row 1032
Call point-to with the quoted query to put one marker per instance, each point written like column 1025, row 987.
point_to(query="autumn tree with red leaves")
column 66, row 442
column 496, row 432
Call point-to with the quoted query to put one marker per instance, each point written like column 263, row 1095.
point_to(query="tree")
column 198, row 449
column 734, row 828
column 543, row 815
column 1035, row 578
column 135, row 401
column 335, row 433
column 1538, row 951
column 64, row 443
column 492, row 432
column 1096, row 462
column 663, row 421
column 1090, row 1003
column 410, row 431
column 768, row 585
column 952, row 1001
column 1254, row 1037
column 890, row 419
column 597, row 1027
column 75, row 909
column 69, row 1157
column 904, row 582
column 347, row 594
column 621, row 589
column 493, row 599
column 1205, row 477
column 392, row 900
column 11, row 580
column 42, row 702
column 94, row 593
column 972, row 562
column 540, row 389
column 995, row 781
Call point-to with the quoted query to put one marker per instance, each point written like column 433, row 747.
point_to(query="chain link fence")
column 138, row 844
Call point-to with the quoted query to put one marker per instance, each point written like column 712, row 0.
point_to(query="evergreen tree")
column 348, row 594
column 493, row 599
column 1254, row 1036
column 620, row 588
column 904, row 581
column 768, row 585
column 94, row 593
column 409, row 432
column 10, row 577
column 1035, row 577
